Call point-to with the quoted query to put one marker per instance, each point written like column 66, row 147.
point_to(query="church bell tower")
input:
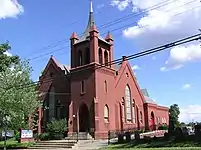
column 88, row 51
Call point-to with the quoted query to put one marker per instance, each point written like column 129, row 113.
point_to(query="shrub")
column 44, row 136
column 137, row 136
column 198, row 130
column 36, row 136
column 163, row 127
column 17, row 137
column 179, row 135
column 120, row 138
column 166, row 136
column 128, row 136
column 57, row 128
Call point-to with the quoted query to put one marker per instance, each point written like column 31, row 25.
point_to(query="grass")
column 158, row 144
column 162, row 148
column 14, row 144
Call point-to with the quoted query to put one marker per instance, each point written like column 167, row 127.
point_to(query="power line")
column 118, row 61
column 113, row 30
column 60, row 41
column 121, row 19
column 126, row 17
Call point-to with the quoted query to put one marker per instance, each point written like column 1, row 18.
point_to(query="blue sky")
column 170, row 77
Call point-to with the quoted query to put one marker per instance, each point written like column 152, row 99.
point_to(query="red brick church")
column 94, row 94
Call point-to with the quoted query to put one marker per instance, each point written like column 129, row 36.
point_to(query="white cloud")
column 10, row 9
column 136, row 67
column 165, row 23
column 190, row 113
column 8, row 53
column 100, row 6
column 186, row 86
column 182, row 54
column 121, row 5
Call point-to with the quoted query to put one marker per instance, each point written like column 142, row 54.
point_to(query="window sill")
column 106, row 121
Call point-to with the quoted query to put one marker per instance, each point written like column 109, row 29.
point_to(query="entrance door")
column 83, row 118
column 152, row 121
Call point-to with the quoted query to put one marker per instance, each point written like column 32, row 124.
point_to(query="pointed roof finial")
column 91, row 8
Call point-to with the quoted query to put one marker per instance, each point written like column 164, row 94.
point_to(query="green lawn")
column 14, row 144
column 165, row 148
column 157, row 144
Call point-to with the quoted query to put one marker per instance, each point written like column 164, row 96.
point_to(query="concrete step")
column 80, row 136
column 55, row 144
column 59, row 143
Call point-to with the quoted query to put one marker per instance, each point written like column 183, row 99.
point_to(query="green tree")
column 182, row 124
column 173, row 117
column 6, row 60
column 18, row 94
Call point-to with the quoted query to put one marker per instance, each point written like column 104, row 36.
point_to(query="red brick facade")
column 94, row 95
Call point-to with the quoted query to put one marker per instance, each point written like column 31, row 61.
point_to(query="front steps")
column 54, row 144
column 81, row 136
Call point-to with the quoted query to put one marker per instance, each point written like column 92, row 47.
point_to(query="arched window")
column 123, row 109
column 165, row 120
column 105, row 86
column 141, row 118
column 100, row 55
column 106, row 58
column 134, row 111
column 51, row 111
column 87, row 56
column 158, row 120
column 79, row 58
column 128, row 103
column 106, row 113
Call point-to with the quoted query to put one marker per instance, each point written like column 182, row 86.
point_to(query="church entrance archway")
column 152, row 121
column 83, row 118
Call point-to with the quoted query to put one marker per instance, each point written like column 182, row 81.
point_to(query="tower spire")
column 90, row 22
column 91, row 8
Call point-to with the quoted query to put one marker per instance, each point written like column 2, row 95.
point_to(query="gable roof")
column 121, row 68
column 63, row 67
column 57, row 65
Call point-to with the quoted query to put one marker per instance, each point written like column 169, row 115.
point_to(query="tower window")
column 82, row 87
column 105, row 86
column 100, row 56
column 106, row 58
column 79, row 58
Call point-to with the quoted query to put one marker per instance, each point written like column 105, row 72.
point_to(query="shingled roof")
column 146, row 96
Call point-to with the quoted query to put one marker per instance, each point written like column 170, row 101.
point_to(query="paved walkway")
column 91, row 144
